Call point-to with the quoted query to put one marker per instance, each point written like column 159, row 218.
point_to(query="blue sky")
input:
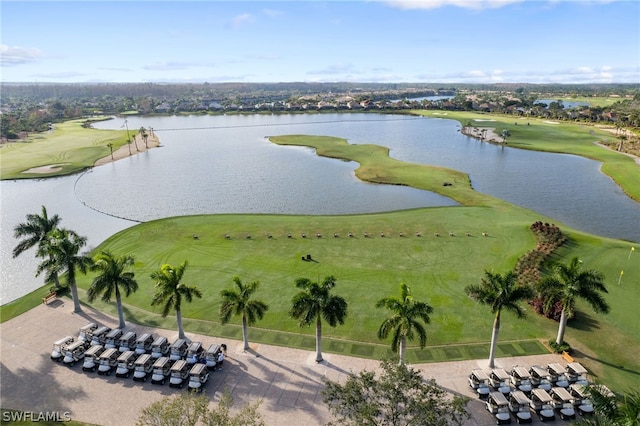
column 447, row 41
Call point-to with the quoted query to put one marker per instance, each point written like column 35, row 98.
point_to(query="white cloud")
column 16, row 55
column 241, row 20
column 465, row 4
column 272, row 12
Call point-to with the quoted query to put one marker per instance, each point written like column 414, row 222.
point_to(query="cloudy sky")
column 448, row 41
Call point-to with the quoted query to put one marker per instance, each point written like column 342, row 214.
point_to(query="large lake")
column 225, row 164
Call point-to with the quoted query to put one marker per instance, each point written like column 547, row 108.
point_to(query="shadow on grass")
column 601, row 361
column 584, row 322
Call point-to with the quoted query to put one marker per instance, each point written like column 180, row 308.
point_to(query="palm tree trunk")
column 74, row 296
column 179, row 321
column 318, row 339
column 562, row 327
column 56, row 281
column 494, row 340
column 402, row 349
column 245, row 338
column 120, row 310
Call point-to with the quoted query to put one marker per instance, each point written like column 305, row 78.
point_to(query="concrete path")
column 287, row 381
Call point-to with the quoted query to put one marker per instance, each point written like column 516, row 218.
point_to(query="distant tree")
column 398, row 396
column 171, row 291
column 112, row 278
column 407, row 316
column 499, row 292
column 316, row 302
column 110, row 145
column 567, row 284
column 238, row 302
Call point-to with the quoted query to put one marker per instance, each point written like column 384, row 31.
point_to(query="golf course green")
column 399, row 246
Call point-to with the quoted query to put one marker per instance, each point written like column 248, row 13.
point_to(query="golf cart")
column 519, row 406
column 563, row 402
column 127, row 342
column 211, row 356
column 107, row 361
column 59, row 347
column 142, row 367
column 178, row 349
column 194, row 352
column 198, row 377
column 576, row 373
column 479, row 381
column 179, row 373
column 86, row 331
column 521, row 379
column 540, row 377
column 125, row 364
column 99, row 335
column 74, row 352
column 159, row 347
column 558, row 375
column 582, row 398
column 542, row 404
column 499, row 380
column 498, row 405
column 112, row 338
column 143, row 343
column 91, row 358
column 161, row 370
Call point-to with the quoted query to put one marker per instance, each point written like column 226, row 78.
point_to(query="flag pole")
column 620, row 277
column 631, row 251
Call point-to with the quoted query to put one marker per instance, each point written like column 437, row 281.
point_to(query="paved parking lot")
column 287, row 381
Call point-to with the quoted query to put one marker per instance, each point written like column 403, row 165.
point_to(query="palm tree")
column 35, row 229
column 405, row 320
column 171, row 291
column 611, row 410
column 499, row 292
column 315, row 302
column 566, row 284
column 110, row 145
column 62, row 249
column 112, row 279
column 238, row 302
column 145, row 136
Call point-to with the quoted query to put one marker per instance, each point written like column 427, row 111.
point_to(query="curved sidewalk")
column 287, row 381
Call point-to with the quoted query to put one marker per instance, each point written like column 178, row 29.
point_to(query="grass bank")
column 558, row 137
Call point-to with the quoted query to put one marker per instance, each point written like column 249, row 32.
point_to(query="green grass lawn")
column 370, row 268
column 70, row 146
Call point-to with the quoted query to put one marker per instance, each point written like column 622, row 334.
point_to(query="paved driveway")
column 287, row 381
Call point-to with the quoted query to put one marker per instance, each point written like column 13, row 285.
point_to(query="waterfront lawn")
column 556, row 136
column 70, row 146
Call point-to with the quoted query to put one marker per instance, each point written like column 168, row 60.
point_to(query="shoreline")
column 123, row 152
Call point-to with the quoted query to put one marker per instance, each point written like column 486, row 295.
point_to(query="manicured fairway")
column 70, row 147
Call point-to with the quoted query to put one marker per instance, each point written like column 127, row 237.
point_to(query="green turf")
column 70, row 146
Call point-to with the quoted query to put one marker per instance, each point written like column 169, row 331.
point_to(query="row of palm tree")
column 60, row 250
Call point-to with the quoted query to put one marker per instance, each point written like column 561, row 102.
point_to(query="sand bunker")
column 51, row 168
column 551, row 122
column 482, row 119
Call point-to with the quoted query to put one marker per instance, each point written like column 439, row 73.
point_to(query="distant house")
column 163, row 108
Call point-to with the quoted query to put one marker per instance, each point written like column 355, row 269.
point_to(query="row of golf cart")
column 538, row 390
column 106, row 350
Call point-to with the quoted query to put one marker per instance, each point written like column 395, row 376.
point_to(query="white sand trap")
column 439, row 113
column 482, row 119
column 551, row 122
column 51, row 168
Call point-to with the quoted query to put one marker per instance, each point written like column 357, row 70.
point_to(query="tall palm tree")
column 35, row 229
column 499, row 292
column 62, row 251
column 171, row 291
column 566, row 284
column 238, row 302
column 316, row 302
column 406, row 320
column 112, row 278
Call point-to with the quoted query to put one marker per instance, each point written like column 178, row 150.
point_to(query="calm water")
column 226, row 165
